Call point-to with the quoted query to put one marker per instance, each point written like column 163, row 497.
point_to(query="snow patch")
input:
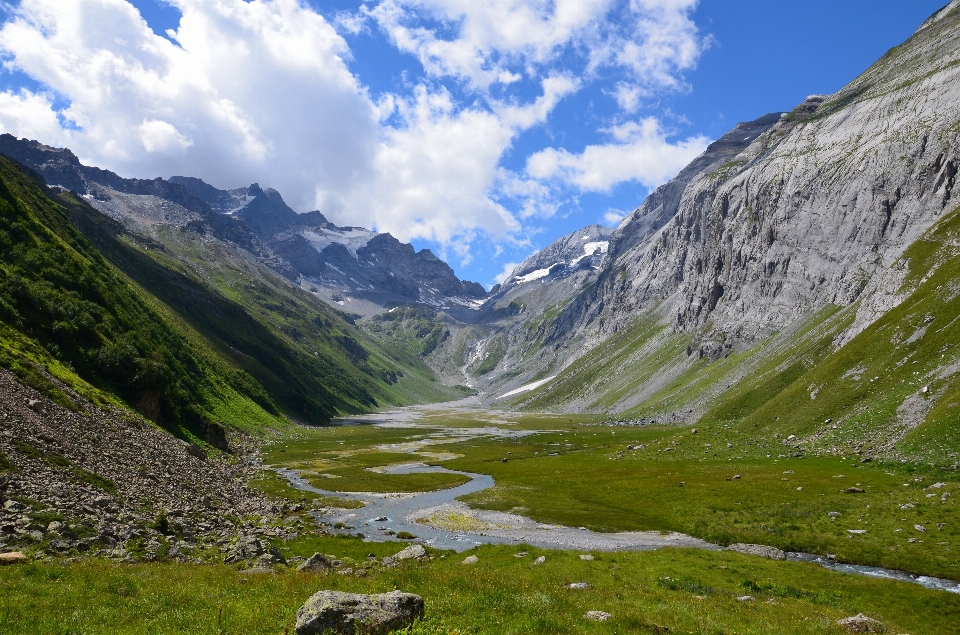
column 526, row 387
column 534, row 275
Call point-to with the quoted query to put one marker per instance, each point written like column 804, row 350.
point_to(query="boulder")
column 14, row 557
column 860, row 623
column 317, row 563
column 249, row 548
column 764, row 551
column 598, row 616
column 470, row 560
column 413, row 552
column 351, row 613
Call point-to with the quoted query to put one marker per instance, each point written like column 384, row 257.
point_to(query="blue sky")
column 481, row 130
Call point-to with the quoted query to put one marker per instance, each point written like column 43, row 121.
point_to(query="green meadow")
column 716, row 483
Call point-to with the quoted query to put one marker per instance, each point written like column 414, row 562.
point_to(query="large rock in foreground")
column 353, row 613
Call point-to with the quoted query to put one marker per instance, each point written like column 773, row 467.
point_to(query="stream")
column 439, row 520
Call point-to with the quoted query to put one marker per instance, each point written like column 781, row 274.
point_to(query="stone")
column 920, row 528
column 470, row 560
column 578, row 586
column 195, row 450
column 854, row 490
column 764, row 551
column 14, row 557
column 520, row 554
column 413, row 552
column 586, row 556
column 248, row 548
column 339, row 613
column 746, row 598
column 317, row 563
column 265, row 561
column 14, row 506
column 540, row 560
column 598, row 616
column 860, row 623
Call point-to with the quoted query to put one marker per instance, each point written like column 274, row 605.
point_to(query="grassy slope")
column 65, row 310
column 312, row 362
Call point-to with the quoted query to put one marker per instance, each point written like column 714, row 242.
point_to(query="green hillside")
column 123, row 317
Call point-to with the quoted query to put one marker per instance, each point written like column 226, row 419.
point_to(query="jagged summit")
column 351, row 267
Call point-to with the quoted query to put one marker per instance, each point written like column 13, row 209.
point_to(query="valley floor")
column 578, row 471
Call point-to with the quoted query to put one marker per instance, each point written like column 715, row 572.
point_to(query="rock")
column 736, row 477
column 746, row 598
column 380, row 519
column 14, row 506
column 470, row 560
column 248, row 548
column 317, row 563
column 860, row 623
column 521, row 554
column 920, row 528
column 388, row 562
column 14, row 557
column 352, row 613
column 413, row 552
column 540, row 560
column 195, row 450
column 856, row 531
column 854, row 490
column 834, row 514
column 598, row 616
column 578, row 586
column 763, row 551
column 586, row 556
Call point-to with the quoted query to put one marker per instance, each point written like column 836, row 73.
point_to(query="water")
column 397, row 507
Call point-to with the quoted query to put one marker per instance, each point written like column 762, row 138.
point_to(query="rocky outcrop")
column 352, row 613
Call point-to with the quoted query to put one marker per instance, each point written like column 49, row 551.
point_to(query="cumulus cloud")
column 260, row 90
column 497, row 41
column 246, row 91
column 639, row 152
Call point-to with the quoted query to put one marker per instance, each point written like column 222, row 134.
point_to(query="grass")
column 578, row 472
column 666, row 591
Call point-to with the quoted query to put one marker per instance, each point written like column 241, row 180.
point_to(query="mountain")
column 357, row 269
column 799, row 271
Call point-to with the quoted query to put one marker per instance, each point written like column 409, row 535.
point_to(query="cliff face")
column 813, row 211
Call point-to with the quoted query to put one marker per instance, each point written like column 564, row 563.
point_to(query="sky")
column 483, row 131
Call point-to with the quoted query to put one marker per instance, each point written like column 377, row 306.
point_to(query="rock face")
column 763, row 551
column 782, row 220
column 351, row 613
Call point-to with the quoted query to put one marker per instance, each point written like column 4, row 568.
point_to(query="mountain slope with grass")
column 802, row 277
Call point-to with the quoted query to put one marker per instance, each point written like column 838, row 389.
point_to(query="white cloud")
column 160, row 136
column 612, row 217
column 640, row 153
column 498, row 41
column 259, row 90
column 250, row 91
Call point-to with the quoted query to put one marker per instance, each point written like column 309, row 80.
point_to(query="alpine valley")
column 783, row 313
